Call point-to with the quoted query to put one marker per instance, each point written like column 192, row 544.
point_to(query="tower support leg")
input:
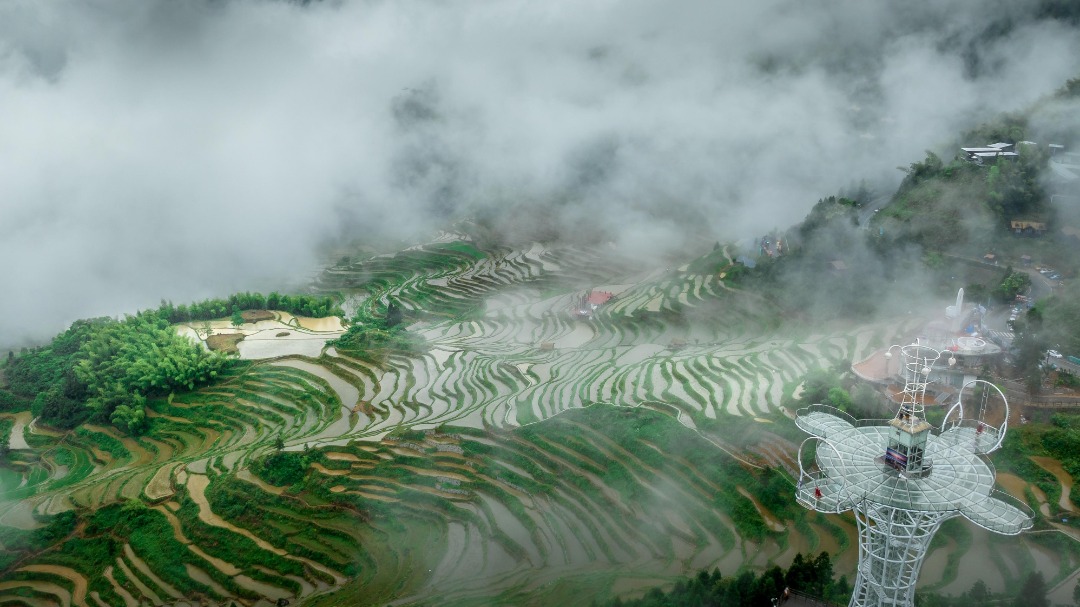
column 892, row 545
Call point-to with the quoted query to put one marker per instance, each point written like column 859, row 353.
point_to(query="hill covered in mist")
column 181, row 151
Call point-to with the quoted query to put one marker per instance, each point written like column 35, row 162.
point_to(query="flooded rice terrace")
column 499, row 376
column 286, row 335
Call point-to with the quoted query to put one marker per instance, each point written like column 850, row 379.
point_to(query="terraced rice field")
column 526, row 455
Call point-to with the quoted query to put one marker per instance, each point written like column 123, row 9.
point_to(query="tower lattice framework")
column 892, row 545
column 903, row 478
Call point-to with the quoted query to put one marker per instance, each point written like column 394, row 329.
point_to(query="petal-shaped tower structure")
column 903, row 478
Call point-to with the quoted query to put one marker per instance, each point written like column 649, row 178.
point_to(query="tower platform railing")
column 1001, row 513
column 805, row 419
column 819, row 492
column 815, row 420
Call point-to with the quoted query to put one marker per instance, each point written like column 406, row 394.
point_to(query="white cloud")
column 156, row 149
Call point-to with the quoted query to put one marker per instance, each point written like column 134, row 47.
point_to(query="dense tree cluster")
column 812, row 576
column 836, row 387
column 46, row 376
column 1062, row 442
column 373, row 331
column 103, row 369
column 6, row 424
column 1014, row 189
column 127, row 360
column 282, row 468
column 1013, row 283
column 826, row 211
column 18, row 542
column 828, row 268
column 1031, row 594
column 8, row 401
column 301, row 305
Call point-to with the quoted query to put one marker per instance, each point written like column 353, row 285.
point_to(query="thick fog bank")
column 161, row 149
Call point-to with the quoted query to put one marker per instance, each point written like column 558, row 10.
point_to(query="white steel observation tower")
column 903, row 478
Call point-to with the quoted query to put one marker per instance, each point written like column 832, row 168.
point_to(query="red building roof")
column 599, row 298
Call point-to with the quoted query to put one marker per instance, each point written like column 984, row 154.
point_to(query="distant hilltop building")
column 1028, row 227
column 1064, row 166
column 991, row 153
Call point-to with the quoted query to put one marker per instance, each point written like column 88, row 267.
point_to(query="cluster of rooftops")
column 994, row 151
column 1064, row 166
column 1008, row 151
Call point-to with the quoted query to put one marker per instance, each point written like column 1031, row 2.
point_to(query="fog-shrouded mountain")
column 155, row 149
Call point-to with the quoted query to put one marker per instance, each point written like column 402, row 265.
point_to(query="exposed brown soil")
column 178, row 533
column 340, row 456
column 56, row 590
column 129, row 601
column 76, row 578
column 767, row 516
column 1013, row 485
column 139, row 564
column 133, row 579
column 225, row 342
column 246, row 475
column 328, row 471
column 257, row 315
column 1054, row 467
column 160, row 485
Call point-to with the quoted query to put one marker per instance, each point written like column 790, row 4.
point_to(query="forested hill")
column 103, row 369
column 932, row 234
column 950, row 204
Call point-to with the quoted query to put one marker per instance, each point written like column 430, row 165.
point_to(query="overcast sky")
column 182, row 149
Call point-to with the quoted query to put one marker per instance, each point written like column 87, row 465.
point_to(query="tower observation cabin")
column 909, row 431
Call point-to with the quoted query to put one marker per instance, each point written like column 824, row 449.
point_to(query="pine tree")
column 1033, row 592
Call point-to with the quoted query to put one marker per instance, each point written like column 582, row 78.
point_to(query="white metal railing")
column 1001, row 513
column 981, row 426
column 817, row 490
column 982, row 438
column 814, row 425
